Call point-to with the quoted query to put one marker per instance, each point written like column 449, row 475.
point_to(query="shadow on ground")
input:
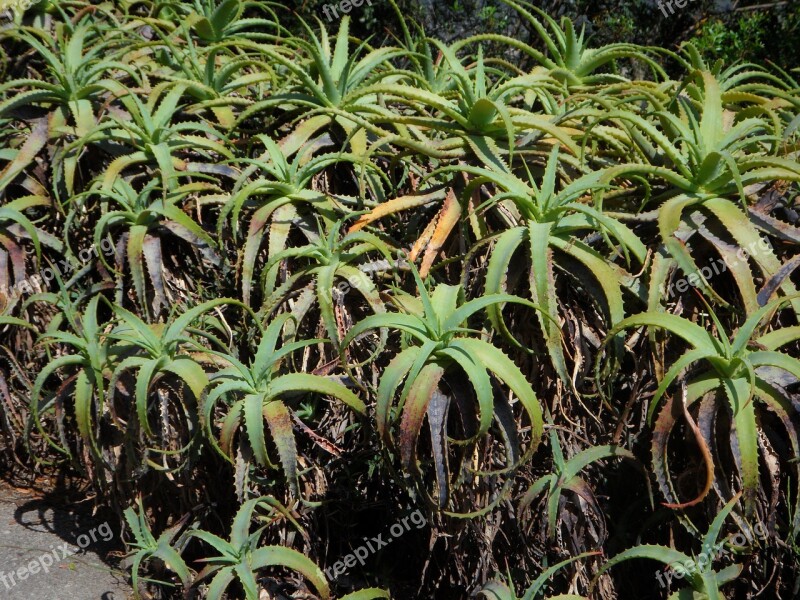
column 52, row 547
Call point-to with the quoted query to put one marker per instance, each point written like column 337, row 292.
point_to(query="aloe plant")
column 499, row 590
column 215, row 22
column 565, row 476
column 704, row 581
column 217, row 80
column 481, row 117
column 241, row 557
column 438, row 343
column 154, row 352
column 12, row 249
column 327, row 259
column 734, row 370
column 567, row 57
column 79, row 67
column 279, row 201
column 259, row 392
column 706, row 157
column 213, row 151
column 142, row 221
column 145, row 547
column 551, row 223
column 90, row 359
column 328, row 86
column 478, row 120
column 153, row 133
column 79, row 64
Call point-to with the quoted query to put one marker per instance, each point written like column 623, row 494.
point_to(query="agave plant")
column 258, row 392
column 736, row 371
column 552, row 222
column 277, row 201
column 433, row 74
column 142, row 221
column 499, row 590
column 706, row 157
column 240, row 558
column 565, row 476
column 328, row 88
column 439, row 344
column 704, row 581
column 155, row 352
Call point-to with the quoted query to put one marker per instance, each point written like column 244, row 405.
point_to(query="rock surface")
column 55, row 552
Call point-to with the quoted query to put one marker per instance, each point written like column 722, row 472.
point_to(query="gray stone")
column 34, row 539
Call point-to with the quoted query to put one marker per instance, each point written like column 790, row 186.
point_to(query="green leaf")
column 253, row 407
column 509, row 374
column 292, row 559
column 368, row 594
column 313, row 383
column 414, row 410
column 279, row 420
column 740, row 396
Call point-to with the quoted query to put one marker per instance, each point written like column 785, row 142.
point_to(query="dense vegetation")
column 748, row 30
column 271, row 290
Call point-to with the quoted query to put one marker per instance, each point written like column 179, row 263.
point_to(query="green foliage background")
column 730, row 30
column 190, row 135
